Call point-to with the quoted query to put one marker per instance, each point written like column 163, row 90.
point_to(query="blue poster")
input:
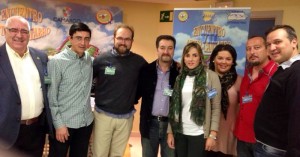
column 51, row 20
column 210, row 27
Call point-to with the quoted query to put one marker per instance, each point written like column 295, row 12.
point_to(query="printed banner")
column 210, row 27
column 51, row 20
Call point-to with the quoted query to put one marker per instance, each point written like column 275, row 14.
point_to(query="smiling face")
column 123, row 40
column 17, row 34
column 256, row 52
column 165, row 51
column 280, row 47
column 223, row 62
column 192, row 58
column 80, row 41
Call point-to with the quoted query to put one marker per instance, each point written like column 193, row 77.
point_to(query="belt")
column 30, row 121
column 160, row 118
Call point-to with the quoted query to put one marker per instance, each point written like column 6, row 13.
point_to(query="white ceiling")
column 170, row 1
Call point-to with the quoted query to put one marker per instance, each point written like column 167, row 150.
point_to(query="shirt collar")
column 115, row 53
column 72, row 54
column 11, row 51
column 289, row 62
column 158, row 67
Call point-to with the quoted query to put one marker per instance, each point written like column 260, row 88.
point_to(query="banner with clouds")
column 51, row 20
column 210, row 27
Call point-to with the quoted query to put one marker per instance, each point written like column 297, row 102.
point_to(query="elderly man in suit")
column 24, row 109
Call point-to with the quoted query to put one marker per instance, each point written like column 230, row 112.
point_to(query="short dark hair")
column 79, row 27
column 124, row 26
column 289, row 30
column 165, row 37
column 217, row 49
column 258, row 36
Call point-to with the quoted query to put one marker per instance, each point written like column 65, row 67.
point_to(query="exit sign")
column 166, row 16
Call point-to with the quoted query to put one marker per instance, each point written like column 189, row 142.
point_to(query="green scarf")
column 227, row 81
column 197, row 107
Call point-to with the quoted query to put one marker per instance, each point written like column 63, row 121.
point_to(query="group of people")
column 188, row 109
column 40, row 97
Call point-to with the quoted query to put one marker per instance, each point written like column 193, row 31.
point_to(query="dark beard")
column 253, row 63
column 121, row 51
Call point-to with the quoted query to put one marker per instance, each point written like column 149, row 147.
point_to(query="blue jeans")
column 262, row 150
column 157, row 137
column 245, row 149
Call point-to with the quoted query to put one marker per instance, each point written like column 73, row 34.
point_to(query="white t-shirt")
column 189, row 126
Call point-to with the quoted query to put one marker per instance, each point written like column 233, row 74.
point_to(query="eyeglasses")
column 78, row 38
column 16, row 30
column 124, row 39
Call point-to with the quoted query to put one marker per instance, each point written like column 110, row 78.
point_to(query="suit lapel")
column 6, row 68
column 38, row 63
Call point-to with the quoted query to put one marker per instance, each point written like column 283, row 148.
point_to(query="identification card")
column 47, row 80
column 211, row 93
column 110, row 70
column 168, row 92
column 247, row 99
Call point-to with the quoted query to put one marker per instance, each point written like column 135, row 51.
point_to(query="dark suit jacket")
column 10, row 101
column 146, row 89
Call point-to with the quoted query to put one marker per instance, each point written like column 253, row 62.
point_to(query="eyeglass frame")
column 123, row 39
column 16, row 31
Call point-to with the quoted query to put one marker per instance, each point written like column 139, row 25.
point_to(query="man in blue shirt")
column 155, row 87
column 70, row 72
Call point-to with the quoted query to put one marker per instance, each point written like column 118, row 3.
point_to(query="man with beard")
column 117, row 74
column 155, row 87
column 256, row 77
column 276, row 123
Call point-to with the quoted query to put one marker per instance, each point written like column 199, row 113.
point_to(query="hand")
column 62, row 134
column 171, row 141
column 210, row 144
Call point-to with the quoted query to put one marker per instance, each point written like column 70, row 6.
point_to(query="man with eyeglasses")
column 70, row 72
column 116, row 73
column 24, row 108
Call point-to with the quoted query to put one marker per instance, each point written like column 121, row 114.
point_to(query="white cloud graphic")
column 240, row 64
column 236, row 35
column 53, row 40
column 181, row 41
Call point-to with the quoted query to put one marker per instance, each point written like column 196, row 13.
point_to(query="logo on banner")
column 64, row 16
column 208, row 15
column 32, row 15
column 183, row 16
column 104, row 16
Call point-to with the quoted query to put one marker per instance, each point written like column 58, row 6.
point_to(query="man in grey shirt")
column 70, row 73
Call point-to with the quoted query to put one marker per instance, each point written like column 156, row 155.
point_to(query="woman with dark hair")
column 194, row 112
column 223, row 62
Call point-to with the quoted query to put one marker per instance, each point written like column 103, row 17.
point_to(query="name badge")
column 168, row 92
column 211, row 93
column 109, row 70
column 247, row 99
column 47, row 80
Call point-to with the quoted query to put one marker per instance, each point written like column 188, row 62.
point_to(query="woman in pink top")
column 223, row 62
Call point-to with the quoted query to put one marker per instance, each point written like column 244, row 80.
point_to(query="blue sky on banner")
column 59, row 16
column 212, row 26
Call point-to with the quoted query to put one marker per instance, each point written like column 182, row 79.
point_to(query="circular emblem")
column 104, row 16
column 183, row 16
